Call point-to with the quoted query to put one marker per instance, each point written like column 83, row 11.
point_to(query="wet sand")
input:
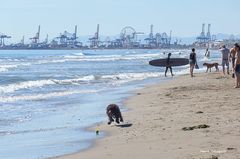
column 185, row 118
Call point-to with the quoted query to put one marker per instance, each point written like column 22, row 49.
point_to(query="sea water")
column 49, row 97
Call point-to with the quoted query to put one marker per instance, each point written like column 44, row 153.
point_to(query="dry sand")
column 158, row 114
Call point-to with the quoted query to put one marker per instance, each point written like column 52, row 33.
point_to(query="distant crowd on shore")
column 228, row 56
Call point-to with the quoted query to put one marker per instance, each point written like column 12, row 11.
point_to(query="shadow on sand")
column 124, row 125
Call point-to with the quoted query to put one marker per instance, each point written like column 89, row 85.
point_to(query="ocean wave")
column 114, row 78
column 125, row 76
column 74, row 55
column 50, row 61
column 76, row 80
column 5, row 99
column 24, row 85
column 79, row 57
column 79, row 54
column 111, row 57
column 6, row 122
column 4, row 133
column 4, row 68
column 122, row 78
column 111, row 79
column 93, row 58
column 7, row 67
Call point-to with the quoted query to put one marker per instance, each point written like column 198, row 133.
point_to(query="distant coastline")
column 174, row 48
column 85, row 48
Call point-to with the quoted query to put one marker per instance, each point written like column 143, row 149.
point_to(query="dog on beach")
column 113, row 112
column 211, row 65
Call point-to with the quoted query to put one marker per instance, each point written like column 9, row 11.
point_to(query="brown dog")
column 210, row 65
column 113, row 112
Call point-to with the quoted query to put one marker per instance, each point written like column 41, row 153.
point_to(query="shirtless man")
column 232, row 55
column 225, row 58
column 237, row 66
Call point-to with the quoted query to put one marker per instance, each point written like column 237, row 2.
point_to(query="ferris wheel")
column 128, row 34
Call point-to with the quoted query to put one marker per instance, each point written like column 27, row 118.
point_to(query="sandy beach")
column 184, row 118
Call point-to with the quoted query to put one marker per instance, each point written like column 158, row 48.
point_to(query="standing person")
column 192, row 61
column 225, row 58
column 168, row 65
column 237, row 66
column 207, row 54
column 232, row 56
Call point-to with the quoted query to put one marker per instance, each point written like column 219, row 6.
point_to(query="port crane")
column 2, row 39
column 95, row 39
column 36, row 38
column 68, row 39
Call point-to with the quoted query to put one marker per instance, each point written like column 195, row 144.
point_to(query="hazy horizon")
column 184, row 18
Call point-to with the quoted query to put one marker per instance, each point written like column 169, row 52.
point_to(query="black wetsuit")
column 168, row 66
column 192, row 59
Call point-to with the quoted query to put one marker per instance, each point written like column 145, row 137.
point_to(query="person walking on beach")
column 225, row 58
column 232, row 59
column 192, row 61
column 207, row 54
column 237, row 66
column 168, row 65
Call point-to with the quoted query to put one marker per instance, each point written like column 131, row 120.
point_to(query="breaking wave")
column 115, row 78
column 24, row 85
column 5, row 99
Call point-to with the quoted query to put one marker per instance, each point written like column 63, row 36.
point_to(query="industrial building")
column 129, row 38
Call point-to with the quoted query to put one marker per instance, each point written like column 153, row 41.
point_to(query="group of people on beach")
column 228, row 56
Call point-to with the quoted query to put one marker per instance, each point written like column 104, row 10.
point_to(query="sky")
column 183, row 17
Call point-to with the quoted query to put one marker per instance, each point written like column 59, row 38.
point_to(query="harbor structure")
column 95, row 40
column 66, row 40
column 159, row 40
column 128, row 38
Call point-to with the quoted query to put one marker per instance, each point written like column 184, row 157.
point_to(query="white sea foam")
column 119, row 78
column 4, row 68
column 110, row 57
column 5, row 99
column 50, row 61
column 79, row 54
column 111, row 79
column 122, row 78
column 76, row 80
column 24, row 85
column 40, row 83
column 97, row 58
column 7, row 67
column 78, row 57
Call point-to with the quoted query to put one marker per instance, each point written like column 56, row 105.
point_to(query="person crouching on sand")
column 168, row 65
column 192, row 61
column 237, row 66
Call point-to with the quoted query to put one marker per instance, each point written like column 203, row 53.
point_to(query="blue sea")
column 49, row 97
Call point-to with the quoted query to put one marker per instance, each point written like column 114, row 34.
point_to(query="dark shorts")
column 225, row 62
column 192, row 62
column 237, row 70
column 233, row 61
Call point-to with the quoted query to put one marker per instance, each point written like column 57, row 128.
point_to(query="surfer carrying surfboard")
column 168, row 65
